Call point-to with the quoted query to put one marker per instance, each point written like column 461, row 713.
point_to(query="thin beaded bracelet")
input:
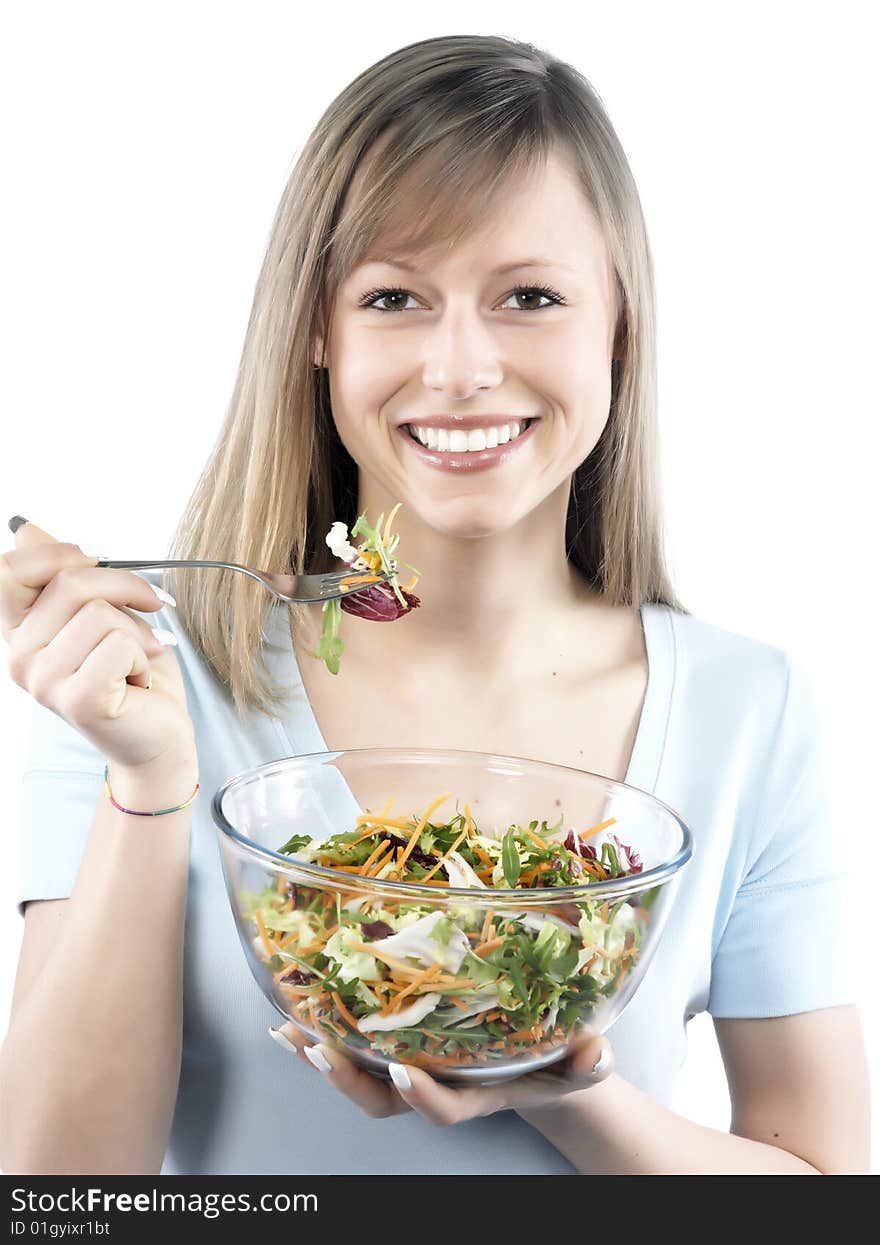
column 161, row 811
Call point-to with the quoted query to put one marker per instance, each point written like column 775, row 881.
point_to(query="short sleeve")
column 62, row 781
column 786, row 946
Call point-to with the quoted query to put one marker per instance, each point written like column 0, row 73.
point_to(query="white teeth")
column 460, row 440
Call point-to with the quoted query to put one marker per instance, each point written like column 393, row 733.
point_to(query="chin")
column 471, row 517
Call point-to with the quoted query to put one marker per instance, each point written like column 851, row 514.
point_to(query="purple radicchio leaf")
column 377, row 929
column 379, row 603
column 628, row 856
column 297, row 977
column 575, row 843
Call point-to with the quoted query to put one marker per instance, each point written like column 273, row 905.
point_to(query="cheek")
column 575, row 379
column 362, row 381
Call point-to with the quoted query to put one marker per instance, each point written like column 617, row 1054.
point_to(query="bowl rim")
column 537, row 896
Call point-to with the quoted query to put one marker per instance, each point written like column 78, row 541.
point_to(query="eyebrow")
column 534, row 262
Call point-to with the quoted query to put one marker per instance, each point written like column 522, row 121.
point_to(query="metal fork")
column 301, row 589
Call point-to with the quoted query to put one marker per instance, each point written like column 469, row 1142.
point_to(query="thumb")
column 27, row 533
column 591, row 1059
column 22, row 584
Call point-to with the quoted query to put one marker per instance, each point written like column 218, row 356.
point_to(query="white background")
column 144, row 151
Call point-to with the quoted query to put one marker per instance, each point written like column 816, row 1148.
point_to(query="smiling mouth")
column 460, row 440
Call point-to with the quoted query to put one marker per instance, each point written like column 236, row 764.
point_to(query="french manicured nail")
column 602, row 1062
column 163, row 636
column 399, row 1076
column 94, row 551
column 16, row 522
column 164, row 596
column 318, row 1059
column 282, row 1040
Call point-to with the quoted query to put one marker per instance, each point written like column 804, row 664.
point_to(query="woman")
column 460, row 246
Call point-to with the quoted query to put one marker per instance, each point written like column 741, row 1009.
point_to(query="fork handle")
column 117, row 564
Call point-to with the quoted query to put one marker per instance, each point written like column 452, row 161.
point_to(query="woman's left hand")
column 590, row 1060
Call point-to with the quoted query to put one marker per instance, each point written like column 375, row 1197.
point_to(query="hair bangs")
column 405, row 203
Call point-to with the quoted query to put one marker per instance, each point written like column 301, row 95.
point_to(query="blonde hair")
column 441, row 124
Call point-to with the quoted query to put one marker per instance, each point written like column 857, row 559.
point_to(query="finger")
column 110, row 664
column 68, row 591
column 589, row 1062
column 440, row 1103
column 377, row 1098
column 592, row 1063
column 64, row 655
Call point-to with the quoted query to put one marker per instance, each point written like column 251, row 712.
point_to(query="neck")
column 495, row 601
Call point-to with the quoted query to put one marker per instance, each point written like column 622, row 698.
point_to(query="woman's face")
column 461, row 341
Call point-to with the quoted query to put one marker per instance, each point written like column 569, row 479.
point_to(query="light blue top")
column 730, row 736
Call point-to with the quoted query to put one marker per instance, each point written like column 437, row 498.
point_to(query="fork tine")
column 328, row 585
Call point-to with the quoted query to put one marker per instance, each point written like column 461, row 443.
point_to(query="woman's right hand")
column 76, row 649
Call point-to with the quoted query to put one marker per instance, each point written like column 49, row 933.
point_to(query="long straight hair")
column 431, row 131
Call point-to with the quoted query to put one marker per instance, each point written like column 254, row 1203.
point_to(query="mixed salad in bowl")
column 469, row 982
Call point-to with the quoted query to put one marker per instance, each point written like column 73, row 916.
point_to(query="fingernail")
column 16, row 522
column 282, row 1040
column 164, row 596
column 602, row 1062
column 163, row 636
column 150, row 682
column 94, row 551
column 317, row 1059
column 399, row 1076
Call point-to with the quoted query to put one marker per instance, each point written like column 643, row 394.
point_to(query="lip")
column 467, row 460
column 467, row 421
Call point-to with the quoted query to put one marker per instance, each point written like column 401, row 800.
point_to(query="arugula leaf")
column 330, row 646
column 295, row 843
column 510, row 861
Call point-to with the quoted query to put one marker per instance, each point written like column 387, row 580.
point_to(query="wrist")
column 160, row 784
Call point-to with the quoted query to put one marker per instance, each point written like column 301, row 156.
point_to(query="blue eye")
column 385, row 291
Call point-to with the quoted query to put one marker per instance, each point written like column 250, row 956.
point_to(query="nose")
column 461, row 356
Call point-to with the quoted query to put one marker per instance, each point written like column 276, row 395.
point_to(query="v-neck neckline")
column 300, row 734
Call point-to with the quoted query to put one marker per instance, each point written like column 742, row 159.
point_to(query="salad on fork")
column 384, row 601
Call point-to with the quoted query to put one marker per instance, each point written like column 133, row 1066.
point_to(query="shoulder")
column 749, row 688
column 708, row 654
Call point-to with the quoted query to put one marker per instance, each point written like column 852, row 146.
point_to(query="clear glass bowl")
column 571, row 956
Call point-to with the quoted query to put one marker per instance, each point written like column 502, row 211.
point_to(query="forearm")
column 91, row 1063
column 614, row 1129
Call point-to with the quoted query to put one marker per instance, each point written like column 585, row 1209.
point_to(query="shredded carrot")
column 386, row 535
column 537, row 839
column 351, row 580
column 344, row 1012
column 448, row 852
column 423, row 821
column 380, row 864
column 485, row 947
column 428, row 975
column 374, row 855
column 264, row 935
column 391, row 960
column 586, row 834
column 484, row 935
